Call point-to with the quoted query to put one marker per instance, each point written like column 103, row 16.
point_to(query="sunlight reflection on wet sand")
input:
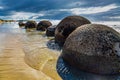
column 38, row 56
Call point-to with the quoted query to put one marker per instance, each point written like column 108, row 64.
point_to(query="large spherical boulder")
column 21, row 23
column 43, row 25
column 30, row 24
column 51, row 31
column 68, row 25
column 93, row 48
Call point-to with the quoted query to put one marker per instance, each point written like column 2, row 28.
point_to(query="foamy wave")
column 114, row 24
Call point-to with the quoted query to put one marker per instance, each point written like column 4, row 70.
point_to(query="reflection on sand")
column 38, row 56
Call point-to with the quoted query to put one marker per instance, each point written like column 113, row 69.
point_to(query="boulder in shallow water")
column 30, row 24
column 43, row 25
column 68, row 25
column 51, row 31
column 93, row 48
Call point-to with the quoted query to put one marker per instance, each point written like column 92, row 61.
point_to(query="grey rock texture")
column 51, row 31
column 93, row 48
column 68, row 25
column 30, row 24
column 43, row 25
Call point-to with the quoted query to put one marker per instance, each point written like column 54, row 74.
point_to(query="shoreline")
column 12, row 64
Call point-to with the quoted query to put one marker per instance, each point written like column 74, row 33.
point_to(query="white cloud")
column 1, row 7
column 91, row 10
column 25, row 15
column 22, row 15
column 74, row 4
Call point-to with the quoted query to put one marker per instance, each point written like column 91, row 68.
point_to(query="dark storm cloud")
column 34, row 5
column 58, row 9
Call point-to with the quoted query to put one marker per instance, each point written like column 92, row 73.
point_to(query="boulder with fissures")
column 93, row 48
column 43, row 25
column 30, row 24
column 51, row 31
column 68, row 25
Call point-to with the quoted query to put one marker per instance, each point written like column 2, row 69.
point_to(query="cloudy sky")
column 95, row 10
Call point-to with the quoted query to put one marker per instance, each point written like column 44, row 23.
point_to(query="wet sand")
column 39, row 56
column 12, row 64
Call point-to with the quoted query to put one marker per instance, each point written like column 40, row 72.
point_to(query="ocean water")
column 30, row 55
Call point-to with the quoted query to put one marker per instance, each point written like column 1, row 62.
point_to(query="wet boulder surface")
column 30, row 24
column 68, row 25
column 43, row 25
column 21, row 24
column 93, row 48
column 50, row 32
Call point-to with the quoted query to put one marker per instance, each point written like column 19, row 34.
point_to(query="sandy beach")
column 12, row 63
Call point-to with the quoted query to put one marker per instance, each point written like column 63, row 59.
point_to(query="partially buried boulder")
column 51, row 31
column 93, row 48
column 43, row 25
column 68, row 25
column 30, row 24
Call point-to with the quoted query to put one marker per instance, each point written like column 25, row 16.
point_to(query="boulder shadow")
column 68, row 72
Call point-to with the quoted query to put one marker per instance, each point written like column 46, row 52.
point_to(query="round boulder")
column 93, row 48
column 68, row 25
column 30, row 24
column 21, row 24
column 51, row 31
column 43, row 25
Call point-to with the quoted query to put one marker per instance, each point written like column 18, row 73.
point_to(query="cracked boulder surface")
column 93, row 48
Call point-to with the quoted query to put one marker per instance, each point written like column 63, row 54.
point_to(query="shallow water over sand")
column 19, row 57
column 29, row 55
column 38, row 55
